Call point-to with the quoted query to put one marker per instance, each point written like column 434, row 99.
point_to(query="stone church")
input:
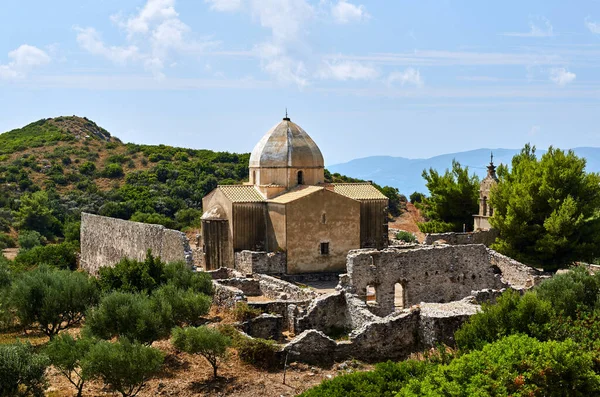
column 482, row 219
column 288, row 208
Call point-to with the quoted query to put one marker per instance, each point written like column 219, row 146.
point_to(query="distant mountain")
column 405, row 174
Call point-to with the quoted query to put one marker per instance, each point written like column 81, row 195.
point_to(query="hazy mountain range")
column 405, row 174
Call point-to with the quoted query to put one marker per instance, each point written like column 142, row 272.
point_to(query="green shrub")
column 511, row 314
column 5, row 273
column 180, row 275
column 66, row 355
column 72, row 231
column 384, row 381
column 180, row 306
column 6, row 241
column 153, row 218
column 261, row 353
column 22, row 372
column 208, row 342
column 127, row 315
column 29, row 239
column 88, row 168
column 62, row 256
column 113, row 171
column 439, row 227
column 514, row 366
column 124, row 366
column 188, row 217
column 130, row 275
column 51, row 299
column 405, row 236
column 243, row 312
column 416, row 197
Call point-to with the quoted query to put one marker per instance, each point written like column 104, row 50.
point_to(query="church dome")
column 286, row 145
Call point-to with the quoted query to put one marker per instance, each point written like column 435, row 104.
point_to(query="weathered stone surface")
column 275, row 288
column 251, row 262
column 313, row 347
column 518, row 275
column 439, row 321
column 265, row 326
column 485, row 237
column 105, row 241
column 326, row 313
column 227, row 297
column 249, row 286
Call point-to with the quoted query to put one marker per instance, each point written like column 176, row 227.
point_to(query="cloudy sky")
column 403, row 78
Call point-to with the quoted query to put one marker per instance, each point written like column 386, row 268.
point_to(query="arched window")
column 254, row 177
column 484, row 206
column 300, row 178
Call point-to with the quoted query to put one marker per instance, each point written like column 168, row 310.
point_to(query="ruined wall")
column 427, row 274
column 485, row 237
column 518, row 275
column 105, row 241
column 250, row 262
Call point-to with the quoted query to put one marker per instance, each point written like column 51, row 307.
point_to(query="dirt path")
column 408, row 221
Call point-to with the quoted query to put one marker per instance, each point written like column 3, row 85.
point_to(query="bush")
column 180, row 275
column 188, row 217
column 72, row 231
column 180, row 306
column 133, row 276
column 66, row 355
column 113, row 171
column 405, row 236
column 88, row 168
column 52, row 299
column 439, row 227
column 208, row 342
column 29, row 239
column 243, row 312
column 384, row 381
column 127, row 315
column 153, row 218
column 517, row 366
column 124, row 366
column 62, row 256
column 22, row 371
column 512, row 314
column 261, row 353
column 5, row 273
column 416, row 197
column 6, row 241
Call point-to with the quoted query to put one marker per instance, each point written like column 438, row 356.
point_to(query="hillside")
column 405, row 174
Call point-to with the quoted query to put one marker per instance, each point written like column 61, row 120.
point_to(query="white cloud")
column 22, row 60
column 593, row 27
column 409, row 76
column 562, row 76
column 224, row 5
column 534, row 130
column 344, row 12
column 347, row 70
column 535, row 30
column 155, row 34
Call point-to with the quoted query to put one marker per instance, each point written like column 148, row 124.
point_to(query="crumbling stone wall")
column 518, row 275
column 485, row 237
column 250, row 262
column 428, row 274
column 105, row 241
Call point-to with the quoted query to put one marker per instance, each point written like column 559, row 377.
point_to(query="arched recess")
column 300, row 177
column 399, row 296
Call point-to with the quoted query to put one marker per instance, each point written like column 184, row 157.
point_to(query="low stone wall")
column 275, row 288
column 105, row 241
column 326, row 313
column 227, row 297
column 518, row 275
column 249, row 286
column 485, row 237
column 250, row 262
column 265, row 326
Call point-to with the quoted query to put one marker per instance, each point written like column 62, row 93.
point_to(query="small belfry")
column 288, row 208
column 485, row 209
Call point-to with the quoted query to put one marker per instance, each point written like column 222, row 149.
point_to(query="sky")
column 399, row 77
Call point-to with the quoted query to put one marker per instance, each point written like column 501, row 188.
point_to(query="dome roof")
column 286, row 145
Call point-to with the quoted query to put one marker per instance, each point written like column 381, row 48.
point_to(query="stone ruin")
column 389, row 304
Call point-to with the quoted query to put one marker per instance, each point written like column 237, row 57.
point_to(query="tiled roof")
column 358, row 191
column 241, row 193
column 295, row 194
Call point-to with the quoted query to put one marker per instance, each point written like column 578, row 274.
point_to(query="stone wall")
column 105, row 241
column 486, row 237
column 518, row 275
column 274, row 288
column 250, row 262
column 428, row 274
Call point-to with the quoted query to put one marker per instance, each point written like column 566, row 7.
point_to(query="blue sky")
column 402, row 78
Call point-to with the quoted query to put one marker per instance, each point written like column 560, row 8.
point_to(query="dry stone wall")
column 485, row 237
column 105, row 241
column 251, row 262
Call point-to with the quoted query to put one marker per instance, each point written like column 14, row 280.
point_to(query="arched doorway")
column 300, row 178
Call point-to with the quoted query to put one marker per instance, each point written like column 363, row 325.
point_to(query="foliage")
column 261, row 353
column 243, row 312
column 61, row 256
column 437, row 227
column 453, row 197
column 113, row 171
column 546, row 210
column 517, row 365
column 72, row 231
column 35, row 213
column 129, row 275
column 5, row 273
column 180, row 306
column 397, row 201
column 180, row 275
column 22, row 372
column 123, row 365
column 51, row 299
column 6, row 241
column 208, row 342
column 127, row 315
column 405, row 236
column 66, row 355
column 417, row 197
column 29, row 239
column 384, row 381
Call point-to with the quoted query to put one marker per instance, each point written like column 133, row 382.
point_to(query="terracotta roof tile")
column 295, row 194
column 241, row 193
column 358, row 191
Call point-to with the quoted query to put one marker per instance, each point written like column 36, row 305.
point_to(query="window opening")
column 324, row 248
column 300, row 178
column 398, row 296
column 371, row 297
